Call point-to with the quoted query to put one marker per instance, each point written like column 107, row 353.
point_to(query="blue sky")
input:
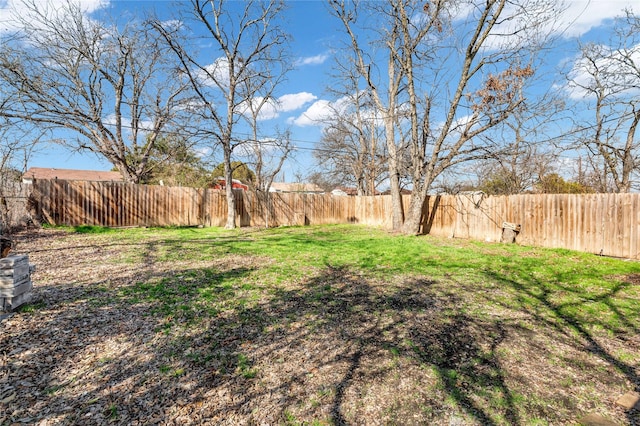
column 315, row 38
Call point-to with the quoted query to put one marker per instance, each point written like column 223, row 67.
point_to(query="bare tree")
column 108, row 86
column 385, row 93
column 249, row 45
column 608, row 77
column 18, row 141
column 352, row 148
column 454, row 70
column 515, row 170
column 528, row 153
column 352, row 152
column 265, row 155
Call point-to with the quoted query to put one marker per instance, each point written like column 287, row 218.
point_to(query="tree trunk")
column 628, row 162
column 414, row 215
column 397, row 210
column 231, row 197
column 126, row 174
column 413, row 219
column 231, row 207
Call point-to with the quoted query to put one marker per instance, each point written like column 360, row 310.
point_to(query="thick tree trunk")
column 231, row 207
column 413, row 219
column 397, row 210
column 126, row 173
column 231, row 198
column 414, row 215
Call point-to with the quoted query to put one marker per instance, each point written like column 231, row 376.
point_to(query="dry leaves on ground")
column 337, row 348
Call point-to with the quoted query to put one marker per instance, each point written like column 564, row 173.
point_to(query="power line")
column 299, row 144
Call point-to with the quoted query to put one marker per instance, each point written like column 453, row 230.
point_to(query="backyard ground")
column 316, row 325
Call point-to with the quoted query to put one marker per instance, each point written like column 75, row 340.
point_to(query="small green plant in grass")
column 450, row 374
column 89, row 229
column 626, row 356
column 105, row 360
column 566, row 382
column 289, row 418
column 52, row 390
column 30, row 308
column 244, row 367
column 112, row 412
column 539, row 422
column 394, row 351
column 167, row 369
column 324, row 392
column 200, row 358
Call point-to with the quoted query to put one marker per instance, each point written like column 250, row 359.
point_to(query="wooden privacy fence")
column 14, row 204
column 607, row 224
column 61, row 202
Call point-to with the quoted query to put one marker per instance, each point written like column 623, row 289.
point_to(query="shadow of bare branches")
column 215, row 342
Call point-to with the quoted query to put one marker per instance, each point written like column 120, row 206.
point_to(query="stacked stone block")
column 15, row 282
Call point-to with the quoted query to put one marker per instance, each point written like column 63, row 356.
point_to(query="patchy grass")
column 318, row 325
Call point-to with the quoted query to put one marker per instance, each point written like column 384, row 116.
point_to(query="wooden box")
column 15, row 281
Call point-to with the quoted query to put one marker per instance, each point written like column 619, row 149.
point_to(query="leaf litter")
column 108, row 341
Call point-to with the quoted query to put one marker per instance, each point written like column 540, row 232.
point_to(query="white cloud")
column 524, row 23
column 202, row 152
column 457, row 126
column 584, row 15
column 268, row 111
column 580, row 80
column 215, row 74
column 143, row 125
column 110, row 120
column 285, row 103
column 313, row 60
column 294, row 101
column 320, row 111
column 172, row 24
column 616, row 69
column 573, row 19
column 267, row 147
column 314, row 115
column 11, row 11
column 460, row 123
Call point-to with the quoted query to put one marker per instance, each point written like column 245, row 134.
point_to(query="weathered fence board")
column 596, row 223
column 14, row 203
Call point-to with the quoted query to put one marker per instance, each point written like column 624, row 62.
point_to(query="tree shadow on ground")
column 166, row 343
column 557, row 308
column 98, row 353
column 208, row 345
column 411, row 321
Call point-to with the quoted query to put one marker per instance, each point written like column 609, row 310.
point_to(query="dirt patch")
column 151, row 341
column 633, row 279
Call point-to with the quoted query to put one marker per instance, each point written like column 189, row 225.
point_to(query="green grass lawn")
column 586, row 293
column 349, row 324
